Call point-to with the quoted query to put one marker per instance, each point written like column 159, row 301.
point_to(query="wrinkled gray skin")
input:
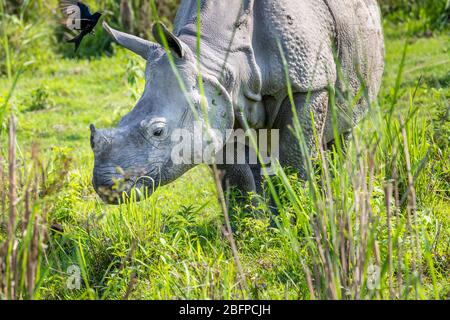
column 249, row 83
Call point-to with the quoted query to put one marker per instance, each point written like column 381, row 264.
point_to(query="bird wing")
column 72, row 14
column 67, row 5
column 75, row 12
column 85, row 12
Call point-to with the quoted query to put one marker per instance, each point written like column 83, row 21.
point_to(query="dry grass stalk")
column 33, row 258
column 310, row 284
column 19, row 254
column 133, row 278
column 397, row 214
column 131, row 285
column 343, row 253
column 388, row 196
column 321, row 236
column 227, row 231
column 11, row 251
column 12, row 177
column 2, row 192
column 360, row 190
column 411, row 207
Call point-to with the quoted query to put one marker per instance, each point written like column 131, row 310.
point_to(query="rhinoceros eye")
column 158, row 132
column 155, row 129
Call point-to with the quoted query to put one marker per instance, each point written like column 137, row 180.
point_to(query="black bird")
column 78, row 18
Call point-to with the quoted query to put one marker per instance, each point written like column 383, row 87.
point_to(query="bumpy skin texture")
column 246, row 48
column 310, row 33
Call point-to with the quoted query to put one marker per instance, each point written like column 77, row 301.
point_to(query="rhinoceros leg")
column 315, row 104
column 238, row 176
column 246, row 178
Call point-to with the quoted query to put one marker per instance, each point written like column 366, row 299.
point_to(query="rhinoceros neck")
column 226, row 39
column 220, row 20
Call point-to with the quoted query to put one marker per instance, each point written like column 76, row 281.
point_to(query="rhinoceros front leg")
column 317, row 105
column 239, row 176
column 246, row 178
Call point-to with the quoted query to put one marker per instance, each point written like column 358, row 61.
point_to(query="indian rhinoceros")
column 236, row 76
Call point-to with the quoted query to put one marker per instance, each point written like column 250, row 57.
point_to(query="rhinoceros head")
column 138, row 153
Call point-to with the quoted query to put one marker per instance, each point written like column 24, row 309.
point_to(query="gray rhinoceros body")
column 246, row 50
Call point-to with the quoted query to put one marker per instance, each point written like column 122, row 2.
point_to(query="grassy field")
column 373, row 223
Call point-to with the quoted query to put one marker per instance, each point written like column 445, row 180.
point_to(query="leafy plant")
column 420, row 16
column 39, row 100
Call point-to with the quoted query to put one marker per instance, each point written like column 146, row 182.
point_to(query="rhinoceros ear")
column 159, row 31
column 138, row 45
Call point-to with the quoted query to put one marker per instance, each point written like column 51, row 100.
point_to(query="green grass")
column 172, row 246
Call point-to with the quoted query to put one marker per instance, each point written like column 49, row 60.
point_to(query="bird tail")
column 76, row 40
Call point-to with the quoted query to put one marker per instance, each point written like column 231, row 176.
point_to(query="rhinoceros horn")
column 100, row 139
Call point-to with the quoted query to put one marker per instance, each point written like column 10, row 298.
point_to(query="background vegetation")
column 372, row 222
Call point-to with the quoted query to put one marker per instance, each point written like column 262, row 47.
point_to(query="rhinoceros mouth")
column 145, row 185
column 124, row 188
column 115, row 192
column 133, row 192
